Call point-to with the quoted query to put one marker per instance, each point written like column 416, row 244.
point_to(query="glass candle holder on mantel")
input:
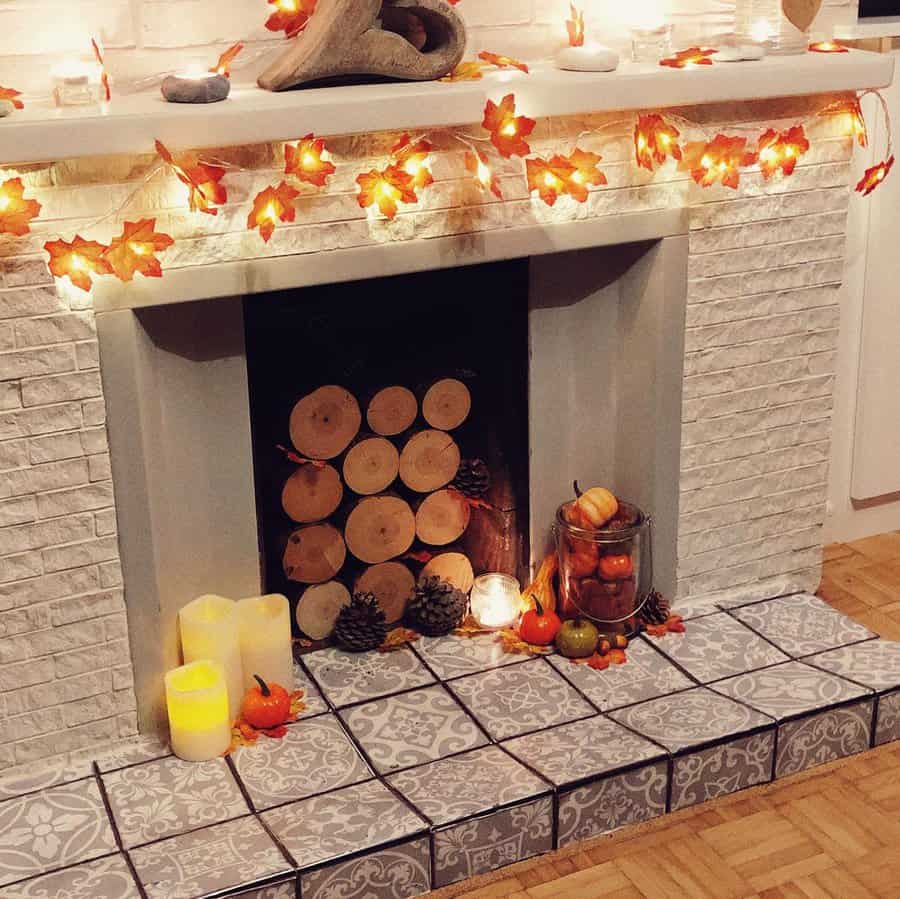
column 762, row 21
column 77, row 82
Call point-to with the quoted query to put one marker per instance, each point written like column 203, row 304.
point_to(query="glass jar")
column 605, row 574
column 651, row 43
column 762, row 21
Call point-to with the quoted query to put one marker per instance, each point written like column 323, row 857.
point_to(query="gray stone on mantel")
column 181, row 89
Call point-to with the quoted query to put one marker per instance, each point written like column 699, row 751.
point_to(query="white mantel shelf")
column 251, row 115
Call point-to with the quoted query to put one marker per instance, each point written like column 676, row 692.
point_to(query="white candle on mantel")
column 209, row 630
column 266, row 649
column 197, row 702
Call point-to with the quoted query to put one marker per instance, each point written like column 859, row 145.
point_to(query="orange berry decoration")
column 266, row 706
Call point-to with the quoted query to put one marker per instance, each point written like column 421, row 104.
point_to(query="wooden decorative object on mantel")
column 368, row 37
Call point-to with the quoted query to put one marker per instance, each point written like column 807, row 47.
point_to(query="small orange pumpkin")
column 594, row 508
column 266, row 706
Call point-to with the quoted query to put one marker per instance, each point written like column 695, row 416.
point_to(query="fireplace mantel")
column 251, row 115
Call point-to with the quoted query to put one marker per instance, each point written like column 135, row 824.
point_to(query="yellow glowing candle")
column 495, row 600
column 209, row 630
column 265, row 628
column 197, row 700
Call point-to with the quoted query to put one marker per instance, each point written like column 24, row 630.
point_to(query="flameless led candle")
column 209, row 630
column 265, row 628
column 495, row 600
column 197, row 701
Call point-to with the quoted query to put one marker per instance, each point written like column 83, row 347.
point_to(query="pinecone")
column 473, row 478
column 436, row 608
column 656, row 609
column 361, row 625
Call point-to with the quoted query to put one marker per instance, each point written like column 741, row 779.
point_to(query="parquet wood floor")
column 829, row 833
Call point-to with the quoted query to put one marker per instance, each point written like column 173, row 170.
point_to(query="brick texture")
column 762, row 319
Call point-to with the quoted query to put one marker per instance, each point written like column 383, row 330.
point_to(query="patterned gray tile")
column 887, row 726
column 133, row 752
column 789, row 689
column 613, row 802
column 691, row 718
column 696, row 606
column 105, row 878
column 396, row 873
column 347, row 677
column 491, row 842
column 168, row 796
column 287, row 889
column 39, row 776
column 876, row 663
column 315, row 755
column 412, row 728
column 582, row 749
column 802, row 624
column 717, row 646
column 312, row 698
column 520, row 698
column 453, row 656
column 645, row 675
column 817, row 739
column 225, row 856
column 722, row 769
column 59, row 826
column 336, row 824
column 467, row 784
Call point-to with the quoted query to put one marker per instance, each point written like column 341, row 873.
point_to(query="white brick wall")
column 762, row 317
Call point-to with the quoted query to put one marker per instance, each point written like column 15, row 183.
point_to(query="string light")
column 16, row 213
column 827, row 47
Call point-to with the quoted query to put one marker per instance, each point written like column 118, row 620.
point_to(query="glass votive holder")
column 77, row 82
column 651, row 44
column 495, row 600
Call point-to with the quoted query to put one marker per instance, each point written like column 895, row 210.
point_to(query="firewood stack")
column 373, row 504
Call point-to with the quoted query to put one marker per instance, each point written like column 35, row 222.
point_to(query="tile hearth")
column 419, row 768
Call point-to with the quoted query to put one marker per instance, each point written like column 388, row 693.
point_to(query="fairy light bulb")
column 77, row 263
column 484, row 173
column 509, row 129
column 287, row 5
column 706, row 162
column 549, row 179
column 4, row 202
column 308, row 160
column 385, row 189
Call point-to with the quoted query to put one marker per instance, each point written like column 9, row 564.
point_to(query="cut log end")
column 319, row 607
column 312, row 493
column 324, row 422
column 314, row 554
column 380, row 528
column 429, row 461
column 392, row 583
column 392, row 411
column 442, row 518
column 447, row 404
column 454, row 568
column 371, row 466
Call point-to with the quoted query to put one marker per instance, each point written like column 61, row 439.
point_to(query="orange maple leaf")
column 290, row 16
column 503, row 62
column 201, row 179
column 575, row 26
column 693, row 56
column 306, row 162
column 274, row 204
column 585, row 173
column 654, row 140
column 717, row 161
column 77, row 260
column 466, row 71
column 386, row 188
column 856, row 124
column 780, row 150
column 827, row 47
column 508, row 131
column 412, row 157
column 16, row 212
column 223, row 66
column 104, row 75
column 7, row 93
column 873, row 176
column 135, row 249
column 477, row 164
column 598, row 662
column 548, row 176
column 421, row 555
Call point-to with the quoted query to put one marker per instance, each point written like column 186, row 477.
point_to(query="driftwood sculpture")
column 413, row 40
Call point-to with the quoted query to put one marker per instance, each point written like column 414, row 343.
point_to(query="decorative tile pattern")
column 347, row 677
column 612, row 802
column 520, row 698
column 413, row 728
column 696, row 606
column 313, row 757
column 141, row 749
column 214, row 858
column 40, row 776
column 690, row 719
column 453, row 657
column 790, row 689
column 582, row 749
column 168, row 796
column 105, row 878
column 467, row 784
column 312, row 698
column 802, row 624
column 817, row 739
column 56, row 827
column 887, row 726
column 396, row 873
column 343, row 822
column 646, row 675
column 485, row 844
column 876, row 663
column 287, row 889
column 717, row 646
column 722, row 769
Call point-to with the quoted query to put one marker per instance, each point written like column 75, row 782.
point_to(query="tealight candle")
column 195, row 86
column 266, row 649
column 589, row 57
column 197, row 702
column 209, row 630
column 496, row 600
column 76, row 82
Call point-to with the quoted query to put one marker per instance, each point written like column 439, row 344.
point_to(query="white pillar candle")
column 266, row 650
column 197, row 701
column 209, row 630
column 495, row 600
